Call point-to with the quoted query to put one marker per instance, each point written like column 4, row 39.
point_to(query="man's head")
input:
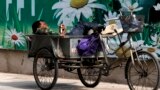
column 39, row 25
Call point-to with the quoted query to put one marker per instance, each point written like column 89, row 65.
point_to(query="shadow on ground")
column 31, row 85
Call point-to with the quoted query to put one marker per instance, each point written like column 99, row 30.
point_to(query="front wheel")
column 89, row 74
column 45, row 69
column 144, row 73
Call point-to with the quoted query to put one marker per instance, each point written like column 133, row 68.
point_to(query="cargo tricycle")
column 54, row 52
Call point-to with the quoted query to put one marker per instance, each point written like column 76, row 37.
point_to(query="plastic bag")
column 88, row 45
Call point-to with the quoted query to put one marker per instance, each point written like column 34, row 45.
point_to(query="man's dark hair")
column 36, row 25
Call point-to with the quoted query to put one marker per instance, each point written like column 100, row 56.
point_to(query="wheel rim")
column 90, row 75
column 45, row 73
column 144, row 75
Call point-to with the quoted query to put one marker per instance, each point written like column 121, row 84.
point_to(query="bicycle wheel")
column 143, row 75
column 89, row 74
column 45, row 69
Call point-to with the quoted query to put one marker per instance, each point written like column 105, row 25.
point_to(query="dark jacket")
column 82, row 28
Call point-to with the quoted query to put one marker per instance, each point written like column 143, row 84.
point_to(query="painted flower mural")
column 69, row 10
column 154, row 38
column 157, row 7
column 110, row 16
column 16, row 38
column 128, row 6
column 154, row 50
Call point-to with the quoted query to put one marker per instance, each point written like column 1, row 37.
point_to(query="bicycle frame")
column 131, row 49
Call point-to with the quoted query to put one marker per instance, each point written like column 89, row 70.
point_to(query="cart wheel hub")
column 144, row 74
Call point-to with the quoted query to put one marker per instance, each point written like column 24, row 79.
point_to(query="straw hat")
column 112, row 27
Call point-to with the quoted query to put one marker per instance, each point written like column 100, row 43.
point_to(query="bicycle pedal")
column 105, row 73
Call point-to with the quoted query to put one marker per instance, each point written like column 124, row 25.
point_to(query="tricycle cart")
column 53, row 52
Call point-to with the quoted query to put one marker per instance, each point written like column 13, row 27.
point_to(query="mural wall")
column 17, row 16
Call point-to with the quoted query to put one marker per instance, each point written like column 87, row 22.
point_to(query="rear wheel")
column 45, row 69
column 90, row 73
column 143, row 75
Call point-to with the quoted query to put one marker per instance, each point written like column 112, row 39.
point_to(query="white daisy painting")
column 14, row 37
column 157, row 7
column 111, row 15
column 127, row 5
column 69, row 10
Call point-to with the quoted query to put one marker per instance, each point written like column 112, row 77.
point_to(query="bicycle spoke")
column 144, row 74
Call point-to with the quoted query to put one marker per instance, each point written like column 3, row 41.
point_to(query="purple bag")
column 88, row 45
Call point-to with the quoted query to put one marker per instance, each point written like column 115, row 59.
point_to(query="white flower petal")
column 99, row 6
column 21, row 43
column 78, row 14
column 138, row 9
column 157, row 7
column 124, row 5
column 128, row 3
column 154, row 38
column 60, row 5
column 59, row 14
column 66, row 13
column 106, row 18
column 158, row 51
column 109, row 14
column 87, row 12
column 56, row 12
column 91, row 1
column 17, row 43
column 12, row 31
column 135, row 5
column 8, row 32
column 114, row 14
column 66, row 1
column 67, row 22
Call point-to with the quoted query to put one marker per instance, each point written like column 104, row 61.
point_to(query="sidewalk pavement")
column 10, row 81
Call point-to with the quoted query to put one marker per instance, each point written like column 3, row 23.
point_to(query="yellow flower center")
column 151, row 50
column 131, row 8
column 78, row 3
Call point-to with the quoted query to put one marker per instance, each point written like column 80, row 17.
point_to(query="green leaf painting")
column 17, row 16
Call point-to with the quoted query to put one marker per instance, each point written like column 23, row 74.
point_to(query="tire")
column 143, row 75
column 45, row 69
column 90, row 76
